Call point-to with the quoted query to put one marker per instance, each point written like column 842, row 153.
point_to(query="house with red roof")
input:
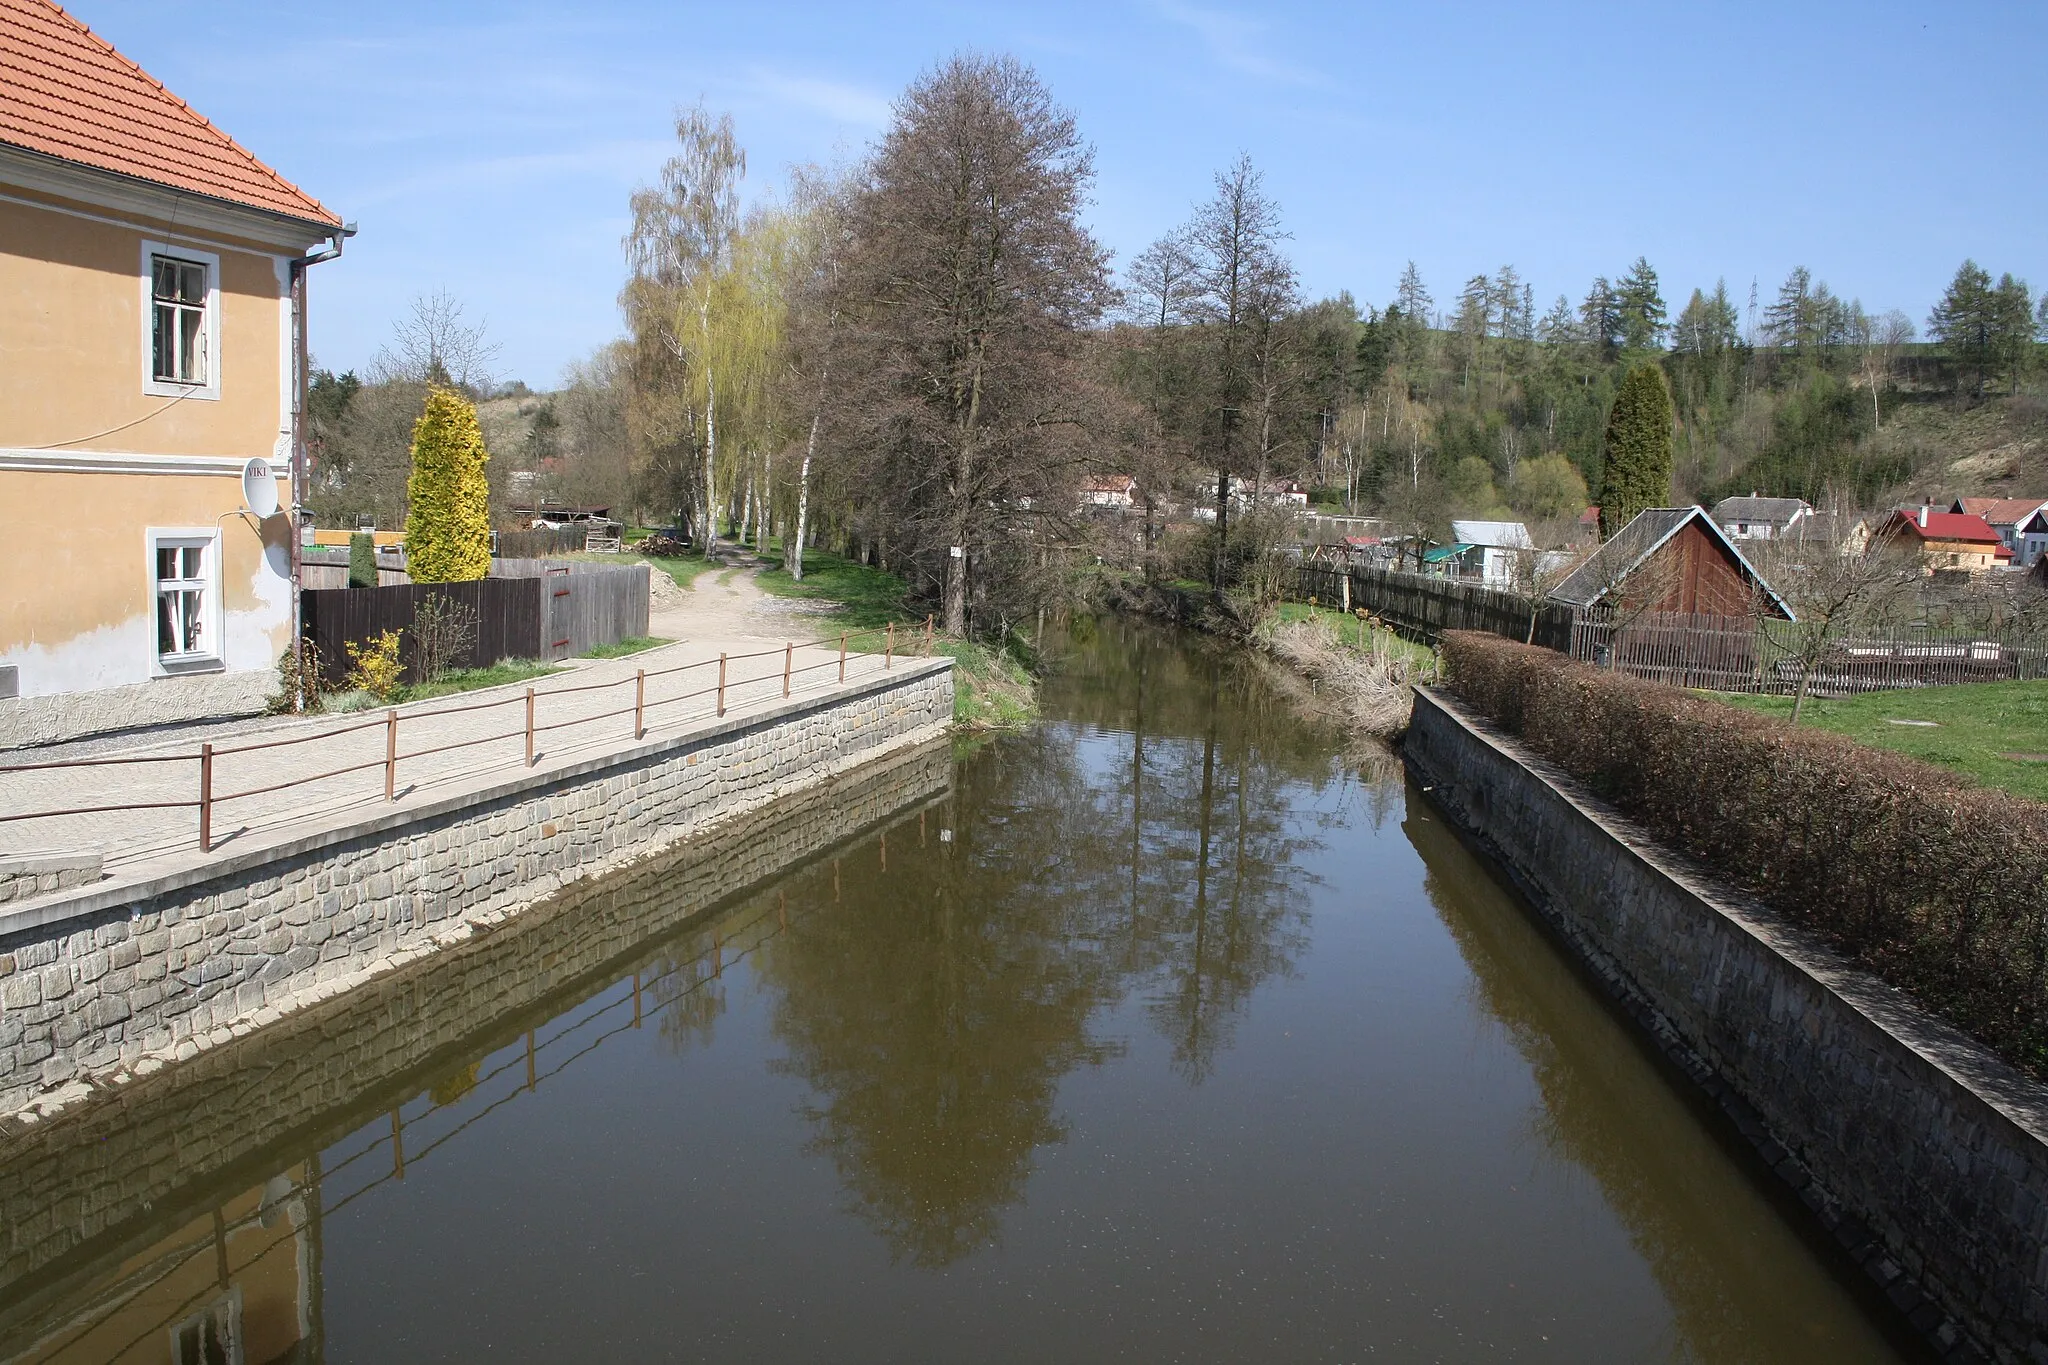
column 155, row 275
column 2010, row 517
column 1942, row 540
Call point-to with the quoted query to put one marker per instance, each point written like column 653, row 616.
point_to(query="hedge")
column 1935, row 884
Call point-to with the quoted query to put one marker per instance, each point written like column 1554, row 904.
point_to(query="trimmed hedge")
column 1937, row 885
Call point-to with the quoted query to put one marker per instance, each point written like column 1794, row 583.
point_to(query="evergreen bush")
column 362, row 561
column 448, row 516
column 1928, row 880
column 1637, row 470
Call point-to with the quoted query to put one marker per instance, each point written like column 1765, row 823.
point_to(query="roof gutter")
column 298, row 266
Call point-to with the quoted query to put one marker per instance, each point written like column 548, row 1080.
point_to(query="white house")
column 1502, row 548
column 1758, row 518
column 1109, row 490
column 2009, row 517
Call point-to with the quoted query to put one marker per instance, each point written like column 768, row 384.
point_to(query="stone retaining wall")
column 129, row 976
column 82, row 1193
column 1924, row 1155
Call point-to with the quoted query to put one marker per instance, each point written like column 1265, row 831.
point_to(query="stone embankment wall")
column 82, row 1193
column 1924, row 1155
column 128, row 976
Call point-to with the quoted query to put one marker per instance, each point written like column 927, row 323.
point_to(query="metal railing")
column 728, row 679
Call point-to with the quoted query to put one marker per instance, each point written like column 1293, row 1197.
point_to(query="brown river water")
column 1159, row 1032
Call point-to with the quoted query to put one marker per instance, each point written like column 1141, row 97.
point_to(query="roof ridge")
column 258, row 164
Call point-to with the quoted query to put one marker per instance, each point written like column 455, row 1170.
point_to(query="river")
column 1157, row 1032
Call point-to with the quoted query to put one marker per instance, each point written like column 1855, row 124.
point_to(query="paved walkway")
column 261, row 776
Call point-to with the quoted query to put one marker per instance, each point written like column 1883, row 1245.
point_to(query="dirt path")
column 726, row 603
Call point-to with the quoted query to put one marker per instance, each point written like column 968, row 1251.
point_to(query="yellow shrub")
column 374, row 667
column 448, row 496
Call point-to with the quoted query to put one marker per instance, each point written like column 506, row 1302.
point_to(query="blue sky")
column 489, row 149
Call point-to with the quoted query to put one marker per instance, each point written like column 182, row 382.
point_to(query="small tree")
column 448, row 520
column 1830, row 592
column 443, row 631
column 1637, row 472
column 362, row 561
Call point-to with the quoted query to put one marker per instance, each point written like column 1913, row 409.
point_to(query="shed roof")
column 65, row 92
column 1627, row 550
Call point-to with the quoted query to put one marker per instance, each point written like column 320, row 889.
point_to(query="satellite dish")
column 259, row 489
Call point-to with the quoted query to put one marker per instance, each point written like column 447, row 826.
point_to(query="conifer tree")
column 1640, row 306
column 1637, row 472
column 448, row 519
column 362, row 560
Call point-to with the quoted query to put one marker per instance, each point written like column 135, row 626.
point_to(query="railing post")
column 206, row 798
column 842, row 657
column 391, row 755
column 889, row 648
column 529, row 727
column 721, row 684
column 640, row 705
column 788, row 658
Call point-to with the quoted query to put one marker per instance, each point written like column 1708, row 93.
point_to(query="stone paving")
column 263, row 782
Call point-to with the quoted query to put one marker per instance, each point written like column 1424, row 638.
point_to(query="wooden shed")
column 1670, row 559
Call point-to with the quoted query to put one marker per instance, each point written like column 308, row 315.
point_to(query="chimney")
column 1923, row 516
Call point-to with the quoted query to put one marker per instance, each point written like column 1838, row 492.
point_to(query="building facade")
column 155, row 273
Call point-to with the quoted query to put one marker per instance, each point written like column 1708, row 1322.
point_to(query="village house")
column 1497, row 553
column 154, row 349
column 2010, row 517
column 1669, row 559
column 1118, row 491
column 1760, row 518
column 1944, row 541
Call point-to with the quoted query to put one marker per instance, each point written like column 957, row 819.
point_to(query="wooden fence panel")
column 1425, row 607
column 536, row 544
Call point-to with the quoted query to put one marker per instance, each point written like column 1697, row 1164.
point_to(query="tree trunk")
column 710, row 463
column 793, row 548
column 1222, row 525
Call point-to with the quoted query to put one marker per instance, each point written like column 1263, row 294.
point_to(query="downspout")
column 298, row 268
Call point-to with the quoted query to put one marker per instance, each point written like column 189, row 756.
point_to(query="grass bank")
column 1996, row 734
column 992, row 687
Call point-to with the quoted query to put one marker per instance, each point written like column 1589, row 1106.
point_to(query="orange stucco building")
column 155, row 274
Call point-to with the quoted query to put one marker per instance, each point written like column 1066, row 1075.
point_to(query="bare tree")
column 1829, row 593
column 963, row 293
column 432, row 344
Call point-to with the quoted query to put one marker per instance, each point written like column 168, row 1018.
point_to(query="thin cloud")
column 1235, row 41
column 836, row 101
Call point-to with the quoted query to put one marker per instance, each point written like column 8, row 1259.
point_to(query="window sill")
column 165, row 388
column 179, row 668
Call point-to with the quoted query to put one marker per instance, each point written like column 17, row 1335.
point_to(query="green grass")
column 632, row 644
column 685, row 570
column 470, row 679
column 862, row 597
column 1976, row 727
column 1352, row 635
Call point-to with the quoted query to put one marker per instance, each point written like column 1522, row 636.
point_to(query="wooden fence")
column 536, row 544
column 1737, row 654
column 535, row 610
column 1424, row 607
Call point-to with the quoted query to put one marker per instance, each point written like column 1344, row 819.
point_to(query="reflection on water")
column 1154, row 1032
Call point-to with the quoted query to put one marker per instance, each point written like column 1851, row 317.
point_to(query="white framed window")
column 184, row 587
column 180, row 322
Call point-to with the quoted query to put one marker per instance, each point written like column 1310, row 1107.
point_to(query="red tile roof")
column 1943, row 526
column 65, row 92
column 2001, row 511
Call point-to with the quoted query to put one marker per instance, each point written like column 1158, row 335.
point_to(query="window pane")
column 166, row 562
column 193, row 555
column 166, row 633
column 188, row 624
column 161, row 342
column 192, row 283
column 189, row 367
column 164, row 283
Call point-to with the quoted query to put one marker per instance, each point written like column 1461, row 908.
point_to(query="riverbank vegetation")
column 1926, row 878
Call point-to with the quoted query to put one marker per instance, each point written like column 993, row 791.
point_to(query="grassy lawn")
column 1355, row 634
column 862, row 597
column 632, row 644
column 1975, row 729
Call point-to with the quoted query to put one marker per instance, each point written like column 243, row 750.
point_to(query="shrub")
column 443, row 631
column 448, row 512
column 374, row 666
column 298, row 681
column 362, row 561
column 1938, row 886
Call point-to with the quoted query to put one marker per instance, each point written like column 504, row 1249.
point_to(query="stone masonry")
column 82, row 1193
column 128, row 976
column 1924, row 1156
